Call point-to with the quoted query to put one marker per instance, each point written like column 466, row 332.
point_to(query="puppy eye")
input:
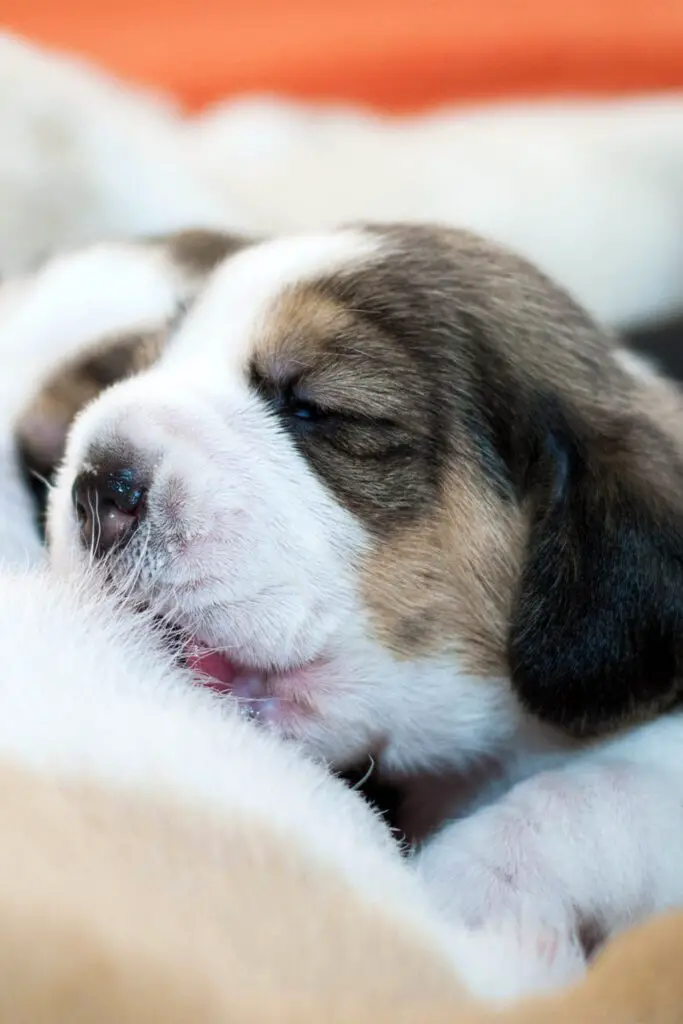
column 292, row 405
column 304, row 411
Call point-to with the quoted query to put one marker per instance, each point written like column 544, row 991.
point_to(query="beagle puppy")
column 395, row 494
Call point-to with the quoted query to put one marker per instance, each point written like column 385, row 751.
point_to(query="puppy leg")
column 568, row 857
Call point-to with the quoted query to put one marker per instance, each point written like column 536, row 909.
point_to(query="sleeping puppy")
column 404, row 499
column 91, row 318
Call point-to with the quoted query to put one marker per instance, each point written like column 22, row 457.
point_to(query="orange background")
column 394, row 54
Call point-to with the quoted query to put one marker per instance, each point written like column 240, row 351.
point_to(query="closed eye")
column 292, row 403
column 289, row 404
column 287, row 401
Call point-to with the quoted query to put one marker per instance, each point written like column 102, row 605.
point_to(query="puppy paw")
column 493, row 879
column 505, row 959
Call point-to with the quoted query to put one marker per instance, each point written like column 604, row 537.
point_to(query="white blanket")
column 593, row 192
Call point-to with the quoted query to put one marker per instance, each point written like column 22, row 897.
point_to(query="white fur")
column 76, row 300
column 244, row 547
column 594, row 844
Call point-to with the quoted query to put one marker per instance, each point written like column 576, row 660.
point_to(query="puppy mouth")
column 267, row 696
column 215, row 670
column 272, row 696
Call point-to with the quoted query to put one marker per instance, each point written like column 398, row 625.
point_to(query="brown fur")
column 124, row 910
column 198, row 252
column 523, row 491
column 425, row 603
column 42, row 427
column 478, row 422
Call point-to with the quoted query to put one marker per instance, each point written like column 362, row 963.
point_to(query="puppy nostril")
column 124, row 490
column 108, row 506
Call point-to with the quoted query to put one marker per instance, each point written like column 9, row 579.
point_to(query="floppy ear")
column 42, row 428
column 596, row 637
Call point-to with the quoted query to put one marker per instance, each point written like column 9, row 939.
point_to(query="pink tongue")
column 219, row 672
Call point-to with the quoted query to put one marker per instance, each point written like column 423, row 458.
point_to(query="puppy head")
column 129, row 343
column 396, row 486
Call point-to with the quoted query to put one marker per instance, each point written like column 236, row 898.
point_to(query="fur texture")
column 368, row 458
column 119, row 908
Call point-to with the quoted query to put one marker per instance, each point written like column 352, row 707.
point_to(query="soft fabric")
column 397, row 56
column 592, row 192
column 122, row 910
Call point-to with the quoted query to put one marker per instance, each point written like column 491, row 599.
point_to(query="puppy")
column 87, row 320
column 404, row 499
column 160, row 854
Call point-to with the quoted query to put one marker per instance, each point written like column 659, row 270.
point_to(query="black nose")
column 108, row 505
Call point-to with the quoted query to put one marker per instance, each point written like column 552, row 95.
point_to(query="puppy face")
column 395, row 488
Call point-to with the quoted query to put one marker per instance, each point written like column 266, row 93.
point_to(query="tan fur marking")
column 197, row 252
column 446, row 584
column 346, row 365
column 299, row 322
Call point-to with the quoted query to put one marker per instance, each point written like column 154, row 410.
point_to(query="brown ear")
column 42, row 428
column 596, row 636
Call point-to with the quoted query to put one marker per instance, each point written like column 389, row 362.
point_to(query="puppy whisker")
column 49, row 486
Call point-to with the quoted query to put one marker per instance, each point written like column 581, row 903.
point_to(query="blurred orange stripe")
column 394, row 54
